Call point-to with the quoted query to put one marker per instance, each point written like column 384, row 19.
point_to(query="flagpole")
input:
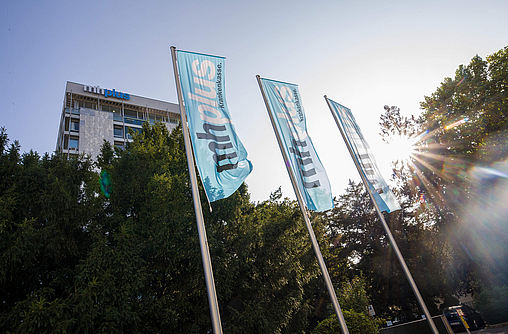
column 385, row 226
column 315, row 245
column 203, row 243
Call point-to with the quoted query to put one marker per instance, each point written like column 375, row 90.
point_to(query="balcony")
column 134, row 121
column 73, row 111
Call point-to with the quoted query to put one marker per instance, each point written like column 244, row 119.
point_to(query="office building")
column 91, row 114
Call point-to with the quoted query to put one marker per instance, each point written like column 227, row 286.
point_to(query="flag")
column 286, row 109
column 220, row 156
column 360, row 152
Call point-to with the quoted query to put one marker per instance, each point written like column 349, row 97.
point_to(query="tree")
column 47, row 206
column 357, row 235
column 456, row 172
column 468, row 119
column 477, row 99
column 76, row 260
column 354, row 302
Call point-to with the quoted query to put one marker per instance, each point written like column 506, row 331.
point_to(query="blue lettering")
column 205, row 93
column 106, row 92
column 114, row 93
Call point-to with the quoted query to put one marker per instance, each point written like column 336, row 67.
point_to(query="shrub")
column 493, row 304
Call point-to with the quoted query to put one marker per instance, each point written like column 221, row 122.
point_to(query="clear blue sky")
column 363, row 54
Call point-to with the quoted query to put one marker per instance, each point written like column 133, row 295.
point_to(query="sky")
column 362, row 54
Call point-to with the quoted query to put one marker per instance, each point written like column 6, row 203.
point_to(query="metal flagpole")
column 315, row 245
column 387, row 229
column 205, row 252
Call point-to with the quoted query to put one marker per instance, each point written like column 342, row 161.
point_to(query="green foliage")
column 47, row 204
column 76, row 261
column 272, row 265
column 493, row 304
column 354, row 301
column 478, row 92
column 450, row 226
column 456, row 153
column 466, row 121
column 360, row 245
column 357, row 323
column 353, row 296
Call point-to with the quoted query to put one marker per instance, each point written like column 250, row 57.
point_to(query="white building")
column 91, row 114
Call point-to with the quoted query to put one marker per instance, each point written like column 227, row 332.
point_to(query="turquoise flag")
column 361, row 153
column 287, row 111
column 220, row 156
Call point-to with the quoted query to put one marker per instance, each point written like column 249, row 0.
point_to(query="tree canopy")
column 466, row 151
column 452, row 225
column 74, row 260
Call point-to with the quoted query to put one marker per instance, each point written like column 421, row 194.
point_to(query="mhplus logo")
column 106, row 92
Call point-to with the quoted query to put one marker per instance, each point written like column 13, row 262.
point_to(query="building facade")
column 91, row 114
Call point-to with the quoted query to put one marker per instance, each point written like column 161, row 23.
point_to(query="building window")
column 133, row 121
column 85, row 104
column 130, row 113
column 73, row 143
column 113, row 109
column 135, row 130
column 173, row 120
column 118, row 131
column 74, row 125
column 154, row 117
column 119, row 145
column 66, row 142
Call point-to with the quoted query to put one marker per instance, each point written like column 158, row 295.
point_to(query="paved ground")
column 499, row 330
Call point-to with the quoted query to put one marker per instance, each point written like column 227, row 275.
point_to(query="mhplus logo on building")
column 106, row 92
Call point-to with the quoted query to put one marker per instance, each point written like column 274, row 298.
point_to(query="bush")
column 357, row 323
column 493, row 304
column 353, row 300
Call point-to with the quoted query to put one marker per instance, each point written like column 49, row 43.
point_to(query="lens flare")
column 471, row 198
column 486, row 223
column 455, row 124
column 105, row 182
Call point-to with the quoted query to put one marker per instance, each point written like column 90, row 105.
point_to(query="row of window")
column 119, row 131
column 127, row 112
column 131, row 117
column 113, row 109
column 85, row 104
column 73, row 144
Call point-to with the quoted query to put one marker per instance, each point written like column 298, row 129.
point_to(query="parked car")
column 471, row 316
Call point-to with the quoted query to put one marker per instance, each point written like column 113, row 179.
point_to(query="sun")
column 401, row 149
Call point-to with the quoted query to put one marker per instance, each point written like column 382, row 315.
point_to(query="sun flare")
column 401, row 148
